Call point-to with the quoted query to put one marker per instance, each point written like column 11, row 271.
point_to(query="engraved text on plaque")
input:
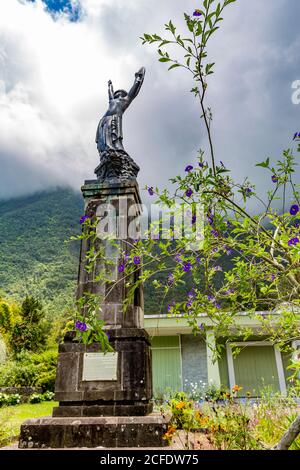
column 99, row 366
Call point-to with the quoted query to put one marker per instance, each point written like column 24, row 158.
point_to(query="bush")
column 30, row 370
column 36, row 398
column 9, row 400
column 40, row 397
column 30, row 333
column 47, row 380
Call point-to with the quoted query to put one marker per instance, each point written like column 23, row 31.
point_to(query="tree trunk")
column 289, row 436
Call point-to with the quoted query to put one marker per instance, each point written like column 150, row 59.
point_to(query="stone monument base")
column 111, row 432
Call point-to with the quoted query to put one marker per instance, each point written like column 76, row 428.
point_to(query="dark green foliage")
column 30, row 370
column 40, row 397
column 30, row 333
column 5, row 317
column 30, row 337
column 9, row 399
column 31, row 310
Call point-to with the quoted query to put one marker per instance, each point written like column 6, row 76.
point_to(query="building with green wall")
column 181, row 360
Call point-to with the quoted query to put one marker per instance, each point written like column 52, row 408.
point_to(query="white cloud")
column 53, row 77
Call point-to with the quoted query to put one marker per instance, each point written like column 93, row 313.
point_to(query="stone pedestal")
column 113, row 412
column 111, row 432
column 129, row 395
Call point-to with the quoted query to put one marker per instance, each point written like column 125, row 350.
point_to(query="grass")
column 11, row 418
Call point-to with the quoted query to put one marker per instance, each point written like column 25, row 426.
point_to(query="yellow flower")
column 236, row 388
column 180, row 405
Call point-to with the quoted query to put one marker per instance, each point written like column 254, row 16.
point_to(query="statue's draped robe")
column 109, row 132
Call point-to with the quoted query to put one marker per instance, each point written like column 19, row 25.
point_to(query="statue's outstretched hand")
column 140, row 73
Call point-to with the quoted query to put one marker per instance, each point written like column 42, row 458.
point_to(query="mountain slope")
column 34, row 257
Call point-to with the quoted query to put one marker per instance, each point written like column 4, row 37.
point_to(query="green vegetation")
column 30, row 370
column 34, row 258
column 231, row 424
column 30, row 333
column 12, row 417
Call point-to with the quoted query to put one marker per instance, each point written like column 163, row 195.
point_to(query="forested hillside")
column 34, row 255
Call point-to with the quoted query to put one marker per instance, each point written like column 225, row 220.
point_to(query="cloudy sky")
column 56, row 57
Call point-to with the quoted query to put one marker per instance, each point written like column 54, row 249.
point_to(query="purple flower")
column 189, row 303
column 191, row 294
column 189, row 168
column 294, row 209
column 108, row 336
column 293, row 241
column 80, row 326
column 150, row 191
column 198, row 260
column 201, row 326
column 230, row 291
column 229, row 224
column 187, row 267
column 194, row 219
column 248, row 190
column 83, row 219
column 296, row 135
column 210, row 219
column 215, row 249
column 137, row 260
column 275, row 179
column 215, row 233
column 170, row 279
column 218, row 268
column 177, row 257
column 217, row 305
column 228, row 250
column 211, row 298
column 202, row 164
column 297, row 223
column 197, row 13
column 121, row 267
column 189, row 192
column 222, row 164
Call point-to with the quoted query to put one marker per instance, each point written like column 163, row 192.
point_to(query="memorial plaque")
column 99, row 366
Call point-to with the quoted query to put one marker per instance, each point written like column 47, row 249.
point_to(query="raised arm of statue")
column 139, row 78
column 110, row 90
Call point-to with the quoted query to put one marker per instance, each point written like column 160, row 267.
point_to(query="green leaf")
column 264, row 164
column 173, row 66
column 199, row 29
column 164, row 59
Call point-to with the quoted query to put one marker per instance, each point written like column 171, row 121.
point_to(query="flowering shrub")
column 262, row 249
column 230, row 423
column 182, row 411
column 9, row 399
column 40, row 397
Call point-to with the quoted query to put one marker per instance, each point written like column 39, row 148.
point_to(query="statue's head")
column 120, row 94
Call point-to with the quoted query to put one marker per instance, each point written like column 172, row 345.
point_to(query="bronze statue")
column 109, row 132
